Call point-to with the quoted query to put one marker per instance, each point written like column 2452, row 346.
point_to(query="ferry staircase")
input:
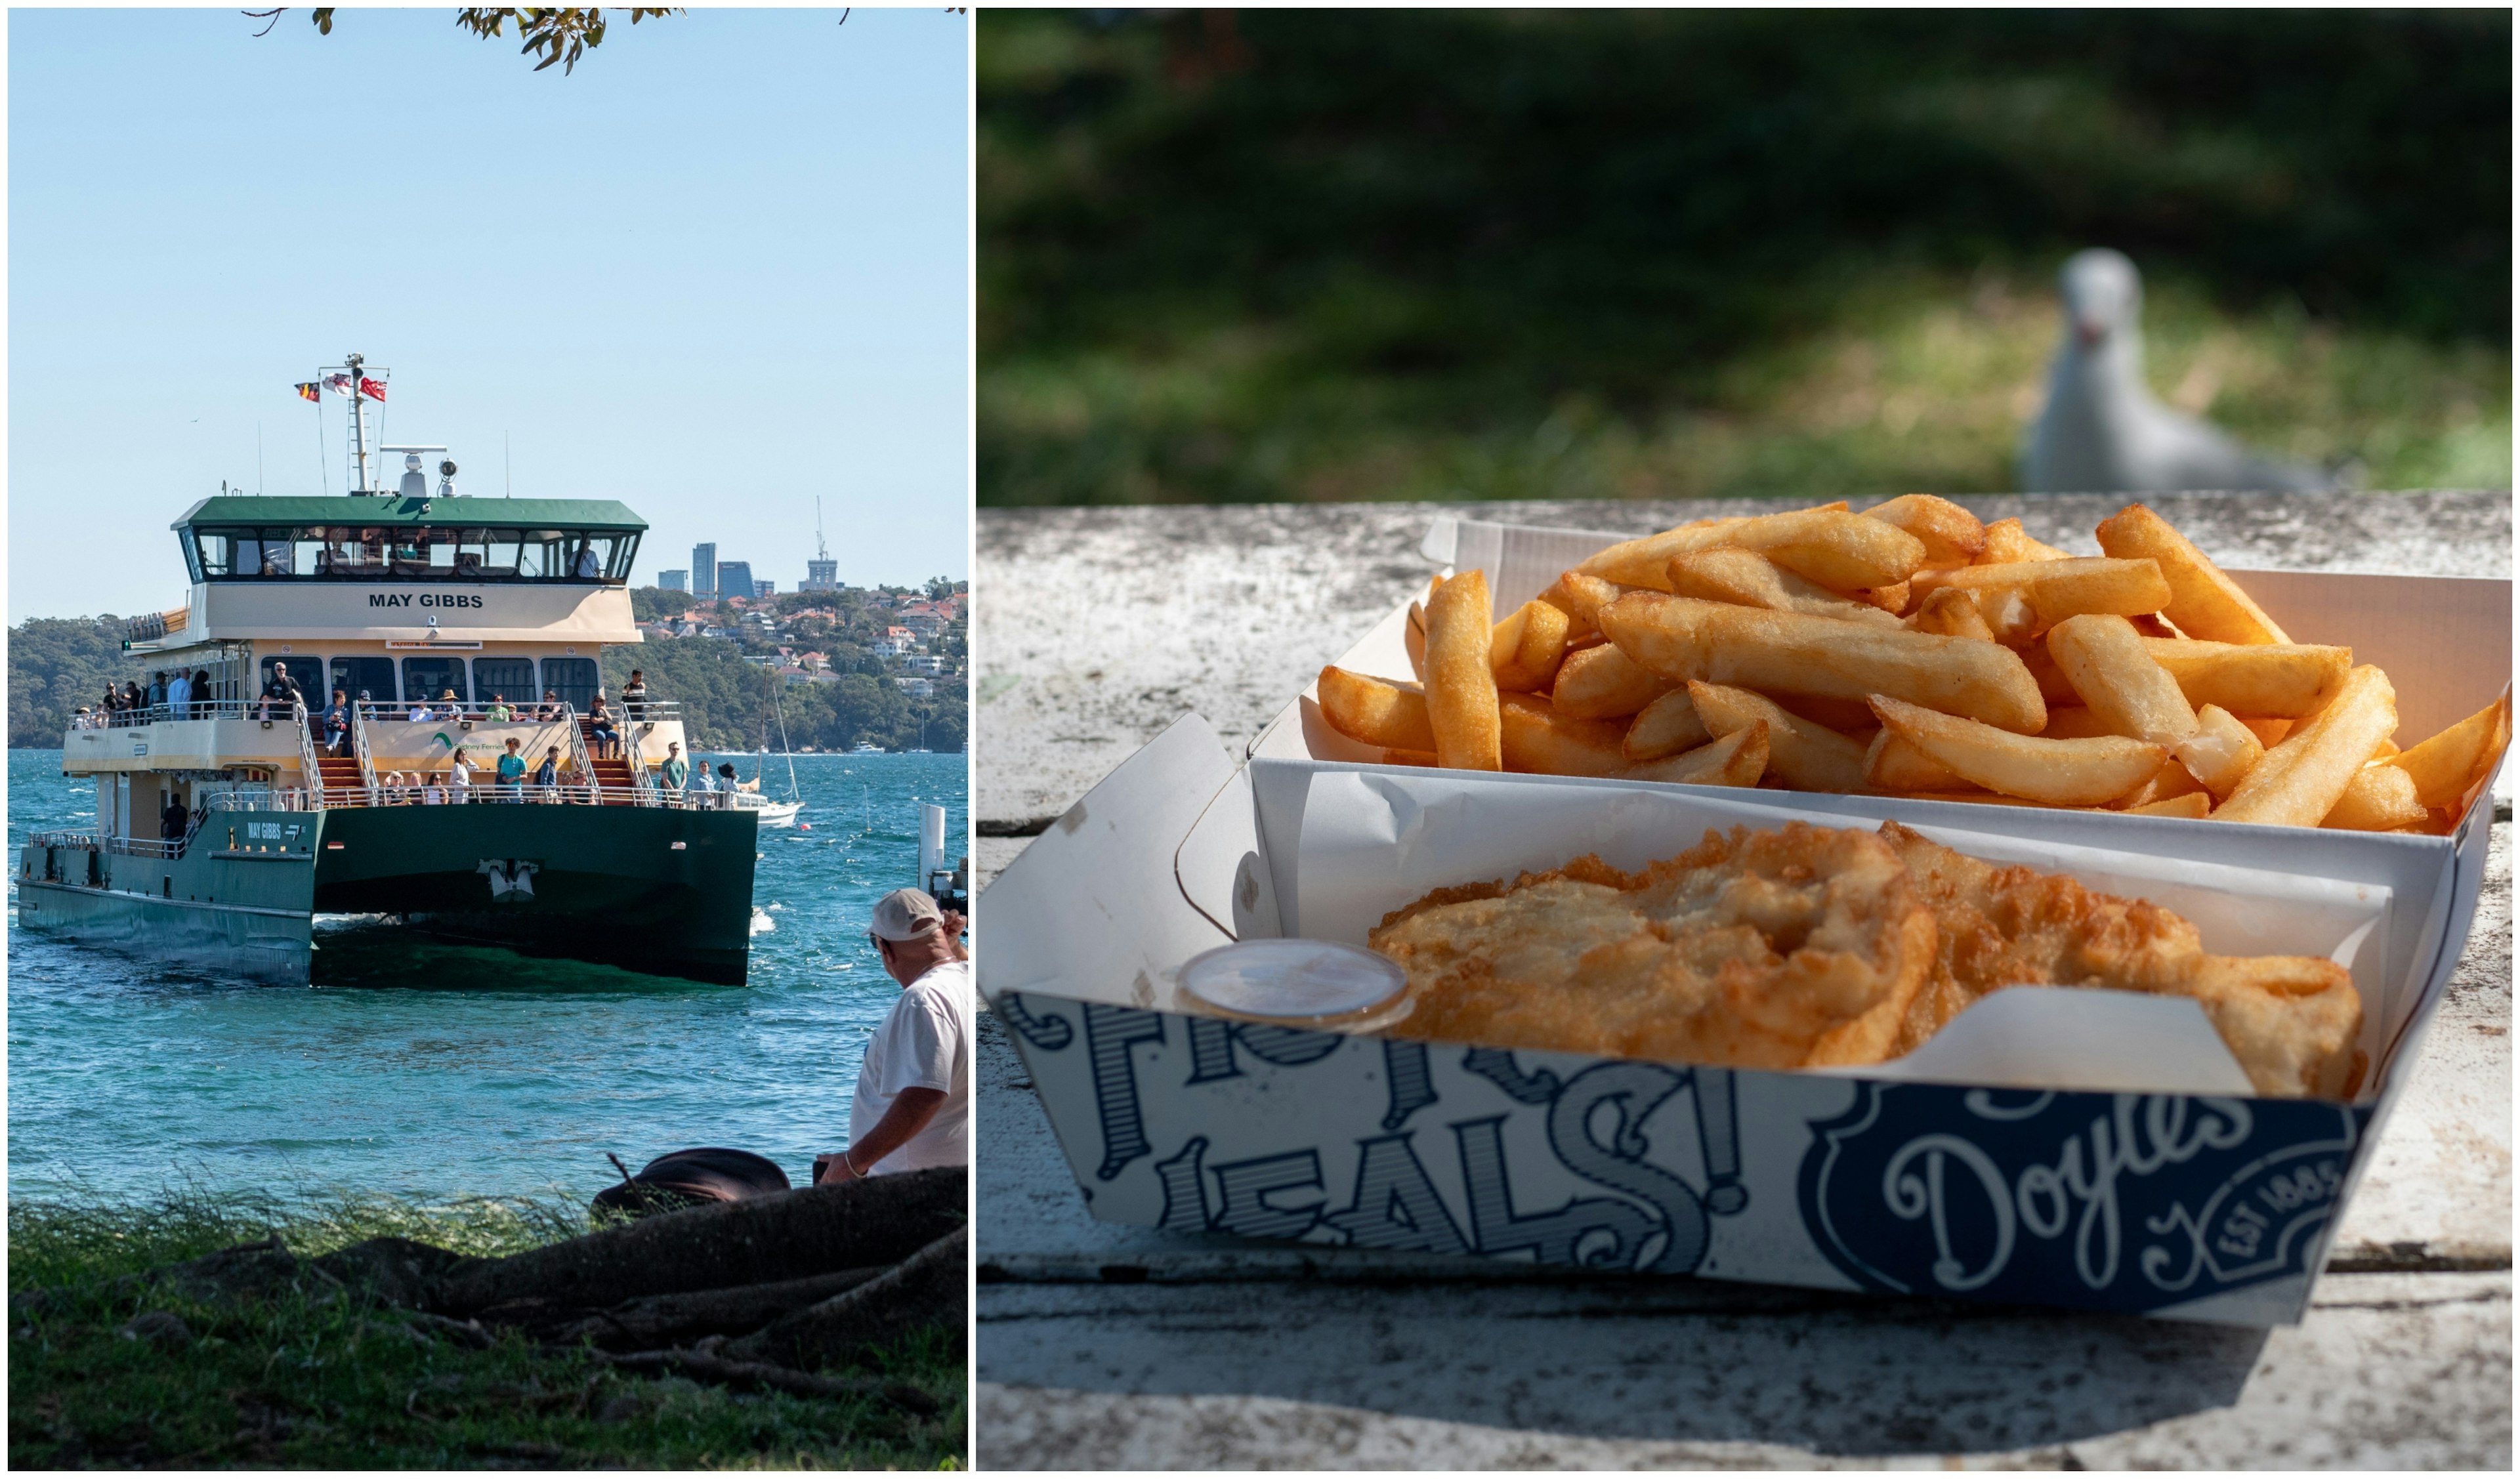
column 340, row 773
column 618, row 784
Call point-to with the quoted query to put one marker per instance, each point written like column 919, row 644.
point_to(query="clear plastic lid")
column 1314, row 982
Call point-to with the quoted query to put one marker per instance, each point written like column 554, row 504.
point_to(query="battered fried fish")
column 1796, row 948
column 2290, row 1020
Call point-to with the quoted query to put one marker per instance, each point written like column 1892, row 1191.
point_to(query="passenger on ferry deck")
column 549, row 707
column 282, row 689
column 174, row 821
column 451, row 708
column 676, row 772
column 82, row 718
column 458, row 780
column 727, row 786
column 337, row 723
column 547, row 775
column 608, row 740
column 634, row 696
column 512, row 774
column 700, row 786
column 202, row 699
column 157, row 691
column 132, row 698
column 179, row 698
column 112, row 701
column 499, row 712
column 433, row 794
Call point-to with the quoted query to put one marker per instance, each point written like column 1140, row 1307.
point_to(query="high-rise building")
column 733, row 577
column 673, row 580
column 821, row 575
column 704, row 569
column 765, row 588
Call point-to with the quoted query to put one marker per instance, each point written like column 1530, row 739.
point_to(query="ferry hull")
column 662, row 890
column 259, row 944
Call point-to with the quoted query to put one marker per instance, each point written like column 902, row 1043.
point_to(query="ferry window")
column 426, row 678
column 371, row 675
column 471, row 552
column 574, row 679
column 506, row 548
column 626, row 552
column 306, row 672
column 509, row 678
column 538, row 555
column 270, row 552
column 217, row 550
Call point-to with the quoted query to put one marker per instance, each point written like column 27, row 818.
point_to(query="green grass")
column 306, row 1382
column 1317, row 255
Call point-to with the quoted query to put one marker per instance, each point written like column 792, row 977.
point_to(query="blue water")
column 451, row 1070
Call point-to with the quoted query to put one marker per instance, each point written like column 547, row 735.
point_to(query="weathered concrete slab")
column 2390, row 1372
column 1122, row 1348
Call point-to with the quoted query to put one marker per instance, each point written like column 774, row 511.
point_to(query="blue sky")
column 718, row 271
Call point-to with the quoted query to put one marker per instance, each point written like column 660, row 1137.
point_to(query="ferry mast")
column 351, row 381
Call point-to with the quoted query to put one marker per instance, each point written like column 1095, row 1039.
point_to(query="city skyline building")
column 765, row 589
column 734, row 578
column 704, row 569
column 674, row 580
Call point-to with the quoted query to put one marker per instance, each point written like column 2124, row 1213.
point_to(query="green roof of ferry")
column 467, row 513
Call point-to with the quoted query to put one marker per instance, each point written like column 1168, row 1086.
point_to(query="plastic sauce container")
column 1298, row 983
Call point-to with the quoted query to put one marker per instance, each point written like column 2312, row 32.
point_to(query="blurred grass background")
column 1293, row 255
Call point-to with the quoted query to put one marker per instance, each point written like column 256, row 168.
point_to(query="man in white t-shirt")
column 913, row 1106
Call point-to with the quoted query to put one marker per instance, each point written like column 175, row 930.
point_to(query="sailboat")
column 923, row 748
column 774, row 813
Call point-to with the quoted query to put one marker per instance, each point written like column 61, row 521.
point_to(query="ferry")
column 452, row 625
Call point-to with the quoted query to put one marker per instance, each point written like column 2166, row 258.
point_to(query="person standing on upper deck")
column 634, row 696
column 676, row 771
column 913, row 1105
column 282, row 689
column 157, row 691
column 179, row 696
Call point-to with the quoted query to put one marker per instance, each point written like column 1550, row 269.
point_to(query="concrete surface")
column 1105, row 1347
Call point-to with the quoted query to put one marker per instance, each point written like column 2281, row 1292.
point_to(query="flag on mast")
column 310, row 390
column 339, row 384
column 370, row 387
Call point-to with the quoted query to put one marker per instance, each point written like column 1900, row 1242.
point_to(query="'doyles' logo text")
column 2115, row 1201
column 1636, row 1213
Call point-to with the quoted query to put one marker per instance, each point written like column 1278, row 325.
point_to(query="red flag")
column 373, row 389
column 310, row 390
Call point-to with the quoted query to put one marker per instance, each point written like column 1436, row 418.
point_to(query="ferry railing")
column 359, row 745
column 61, row 839
column 307, row 764
column 166, row 713
column 436, row 792
column 581, row 760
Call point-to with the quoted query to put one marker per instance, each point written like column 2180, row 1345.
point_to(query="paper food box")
column 2082, row 1148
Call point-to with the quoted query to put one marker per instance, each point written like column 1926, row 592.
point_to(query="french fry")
column 1424, row 758
column 1747, row 577
column 2063, row 771
column 1537, row 740
column 2190, row 804
column 2170, row 782
column 2449, row 764
column 2220, row 753
column 1740, row 758
column 1525, row 647
column 1842, row 551
column 1415, row 638
column 1372, row 711
column 1579, row 596
column 1604, row 683
column 1804, row 755
column 2379, row 798
column 2073, row 722
column 2007, row 544
column 1892, row 598
column 2070, row 587
column 2151, row 625
column 2301, row 780
column 2204, row 602
column 1664, row 728
column 1778, row 653
column 2254, row 680
column 1844, row 715
column 2270, row 732
column 1893, row 766
column 2009, row 615
column 2055, row 688
column 2105, row 661
column 1950, row 612
column 1950, row 534
column 1461, row 686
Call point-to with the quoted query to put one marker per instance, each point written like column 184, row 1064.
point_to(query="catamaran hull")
column 661, row 890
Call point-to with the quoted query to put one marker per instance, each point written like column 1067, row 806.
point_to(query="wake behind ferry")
column 228, row 821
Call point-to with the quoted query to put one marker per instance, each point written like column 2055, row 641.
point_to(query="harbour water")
column 435, row 1069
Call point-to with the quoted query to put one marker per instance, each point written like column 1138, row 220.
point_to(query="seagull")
column 2102, row 431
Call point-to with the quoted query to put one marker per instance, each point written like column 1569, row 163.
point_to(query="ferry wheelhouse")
column 225, row 824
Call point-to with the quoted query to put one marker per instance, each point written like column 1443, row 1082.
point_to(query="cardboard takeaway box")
column 2080, row 1148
